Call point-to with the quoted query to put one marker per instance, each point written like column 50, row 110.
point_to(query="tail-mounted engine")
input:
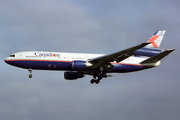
column 80, row 65
column 73, row 75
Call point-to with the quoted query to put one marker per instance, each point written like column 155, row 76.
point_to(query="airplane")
column 76, row 65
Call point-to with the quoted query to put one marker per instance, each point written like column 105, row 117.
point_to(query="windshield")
column 11, row 55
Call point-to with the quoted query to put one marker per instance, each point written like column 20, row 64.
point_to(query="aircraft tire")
column 97, row 81
column 30, row 76
column 92, row 81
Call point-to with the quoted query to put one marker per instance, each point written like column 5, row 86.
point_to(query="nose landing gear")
column 30, row 71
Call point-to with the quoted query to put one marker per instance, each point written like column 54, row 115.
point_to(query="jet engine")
column 80, row 65
column 73, row 75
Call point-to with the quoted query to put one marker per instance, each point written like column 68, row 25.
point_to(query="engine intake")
column 73, row 75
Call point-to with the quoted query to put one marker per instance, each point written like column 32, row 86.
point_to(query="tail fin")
column 156, row 38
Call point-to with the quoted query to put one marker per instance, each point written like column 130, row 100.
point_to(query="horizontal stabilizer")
column 153, row 60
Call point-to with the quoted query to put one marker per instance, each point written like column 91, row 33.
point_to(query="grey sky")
column 93, row 26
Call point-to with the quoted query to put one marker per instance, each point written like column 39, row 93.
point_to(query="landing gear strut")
column 30, row 71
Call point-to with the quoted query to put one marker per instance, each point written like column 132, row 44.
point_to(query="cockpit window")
column 11, row 55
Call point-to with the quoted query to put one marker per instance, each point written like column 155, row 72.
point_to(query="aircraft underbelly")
column 42, row 65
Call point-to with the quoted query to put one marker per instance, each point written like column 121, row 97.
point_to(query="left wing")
column 118, row 56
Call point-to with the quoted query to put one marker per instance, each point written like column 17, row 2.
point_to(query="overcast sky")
column 92, row 26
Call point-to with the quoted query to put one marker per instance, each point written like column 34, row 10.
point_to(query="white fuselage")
column 40, row 60
column 63, row 56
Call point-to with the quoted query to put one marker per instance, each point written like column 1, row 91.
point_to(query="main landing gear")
column 99, row 77
column 95, row 81
column 30, row 71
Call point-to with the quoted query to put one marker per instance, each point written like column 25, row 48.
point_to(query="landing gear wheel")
column 92, row 81
column 97, row 81
column 30, row 76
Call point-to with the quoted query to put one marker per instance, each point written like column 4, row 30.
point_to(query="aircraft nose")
column 6, row 60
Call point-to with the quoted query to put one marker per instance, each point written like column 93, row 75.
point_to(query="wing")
column 118, row 56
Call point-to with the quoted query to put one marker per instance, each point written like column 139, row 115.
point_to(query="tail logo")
column 153, row 40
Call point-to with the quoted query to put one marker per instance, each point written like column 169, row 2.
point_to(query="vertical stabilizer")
column 156, row 39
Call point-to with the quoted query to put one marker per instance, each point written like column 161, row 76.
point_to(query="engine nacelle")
column 73, row 75
column 80, row 65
